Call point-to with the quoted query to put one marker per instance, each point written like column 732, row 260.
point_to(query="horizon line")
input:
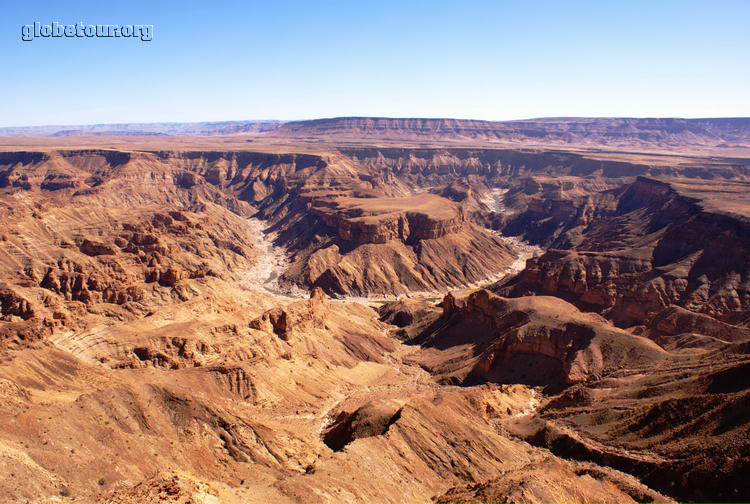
column 286, row 121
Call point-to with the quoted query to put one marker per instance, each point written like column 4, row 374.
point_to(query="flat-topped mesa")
column 408, row 227
column 380, row 220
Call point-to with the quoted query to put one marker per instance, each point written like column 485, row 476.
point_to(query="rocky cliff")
column 652, row 245
column 440, row 165
column 380, row 220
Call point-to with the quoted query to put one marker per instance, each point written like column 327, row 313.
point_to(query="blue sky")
column 496, row 60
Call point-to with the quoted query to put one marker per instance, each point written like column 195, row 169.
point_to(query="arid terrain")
column 376, row 310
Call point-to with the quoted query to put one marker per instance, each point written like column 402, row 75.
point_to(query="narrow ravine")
column 494, row 200
column 272, row 261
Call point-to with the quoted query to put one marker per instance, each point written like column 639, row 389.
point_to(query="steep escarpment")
column 442, row 165
column 181, row 177
column 251, row 176
column 647, row 247
column 631, row 132
column 649, row 133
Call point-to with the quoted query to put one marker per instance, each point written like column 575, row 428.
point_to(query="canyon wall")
column 659, row 245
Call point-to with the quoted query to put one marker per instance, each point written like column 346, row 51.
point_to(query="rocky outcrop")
column 684, row 425
column 599, row 281
column 167, row 277
column 57, row 181
column 77, row 283
column 373, row 419
column 92, row 248
column 535, row 340
column 286, row 321
column 14, row 305
column 408, row 316
column 380, row 220
column 406, row 312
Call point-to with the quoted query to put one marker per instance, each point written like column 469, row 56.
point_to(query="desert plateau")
column 251, row 319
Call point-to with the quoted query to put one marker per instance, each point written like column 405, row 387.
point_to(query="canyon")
column 376, row 310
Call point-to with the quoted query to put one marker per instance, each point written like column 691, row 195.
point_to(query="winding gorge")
column 371, row 310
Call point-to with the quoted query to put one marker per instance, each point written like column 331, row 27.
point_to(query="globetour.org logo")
column 57, row 29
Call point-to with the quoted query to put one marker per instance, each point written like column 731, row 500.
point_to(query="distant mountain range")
column 637, row 132
column 145, row 129
column 668, row 132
